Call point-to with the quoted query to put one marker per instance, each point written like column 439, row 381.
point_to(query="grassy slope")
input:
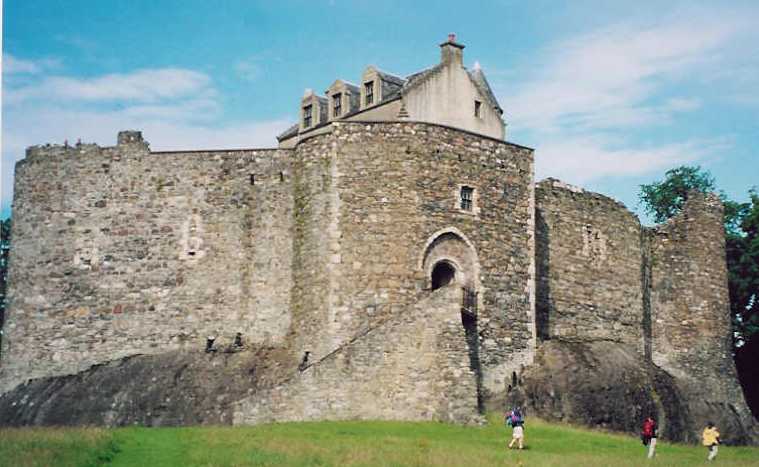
column 346, row 443
column 27, row 447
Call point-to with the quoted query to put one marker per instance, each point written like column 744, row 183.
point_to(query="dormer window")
column 307, row 115
column 369, row 93
column 337, row 105
column 477, row 109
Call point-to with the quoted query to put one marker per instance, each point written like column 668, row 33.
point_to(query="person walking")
column 710, row 438
column 648, row 435
column 516, row 420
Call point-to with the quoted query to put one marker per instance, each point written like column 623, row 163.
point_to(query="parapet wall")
column 119, row 251
column 588, row 258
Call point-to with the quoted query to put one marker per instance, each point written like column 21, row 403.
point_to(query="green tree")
column 743, row 268
column 664, row 199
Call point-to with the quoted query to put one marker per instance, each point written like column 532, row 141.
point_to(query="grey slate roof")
column 291, row 131
column 390, row 78
column 420, row 76
column 352, row 87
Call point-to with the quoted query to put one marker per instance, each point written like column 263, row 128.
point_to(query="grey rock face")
column 173, row 388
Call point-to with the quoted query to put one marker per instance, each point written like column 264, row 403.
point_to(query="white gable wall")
column 447, row 97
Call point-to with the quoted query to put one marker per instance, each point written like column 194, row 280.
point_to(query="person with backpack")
column 710, row 438
column 516, row 421
column 648, row 435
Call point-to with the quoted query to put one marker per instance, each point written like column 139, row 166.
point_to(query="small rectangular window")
column 337, row 105
column 252, row 179
column 466, row 198
column 369, row 93
column 477, row 107
column 307, row 116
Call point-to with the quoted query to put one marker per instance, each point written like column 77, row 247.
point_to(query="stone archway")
column 443, row 273
column 449, row 258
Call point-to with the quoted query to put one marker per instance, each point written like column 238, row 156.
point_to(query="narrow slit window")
column 307, row 114
column 467, row 193
column 369, row 93
column 281, row 176
column 252, row 179
column 478, row 109
column 337, row 105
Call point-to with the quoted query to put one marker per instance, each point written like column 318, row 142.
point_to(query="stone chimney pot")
column 451, row 52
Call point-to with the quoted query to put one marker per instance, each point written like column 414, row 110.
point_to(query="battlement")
column 59, row 150
column 130, row 137
column 129, row 140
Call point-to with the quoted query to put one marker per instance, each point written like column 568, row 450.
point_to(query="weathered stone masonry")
column 589, row 266
column 379, row 376
column 690, row 332
column 650, row 305
column 398, row 189
column 304, row 248
column 119, row 251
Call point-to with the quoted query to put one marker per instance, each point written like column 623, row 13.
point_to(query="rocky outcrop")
column 608, row 385
column 175, row 388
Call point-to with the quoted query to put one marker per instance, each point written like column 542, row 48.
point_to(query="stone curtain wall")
column 661, row 292
column 690, row 315
column 588, row 266
column 399, row 188
column 123, row 251
column 119, row 251
column 414, row 366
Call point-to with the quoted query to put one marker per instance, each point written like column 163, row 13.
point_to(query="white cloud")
column 593, row 96
column 56, row 124
column 683, row 105
column 582, row 159
column 13, row 65
column 615, row 70
column 38, row 125
column 148, row 85
column 177, row 109
column 196, row 109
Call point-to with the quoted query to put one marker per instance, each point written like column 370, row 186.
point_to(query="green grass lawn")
column 344, row 443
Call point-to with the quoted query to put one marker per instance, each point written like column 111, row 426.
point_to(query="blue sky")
column 610, row 94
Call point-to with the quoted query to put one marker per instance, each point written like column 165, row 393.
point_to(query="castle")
column 394, row 247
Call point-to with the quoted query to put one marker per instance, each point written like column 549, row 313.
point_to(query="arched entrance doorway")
column 450, row 260
column 442, row 274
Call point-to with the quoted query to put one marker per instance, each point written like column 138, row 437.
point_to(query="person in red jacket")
column 648, row 436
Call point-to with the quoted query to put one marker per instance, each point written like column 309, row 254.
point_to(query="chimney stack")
column 452, row 52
